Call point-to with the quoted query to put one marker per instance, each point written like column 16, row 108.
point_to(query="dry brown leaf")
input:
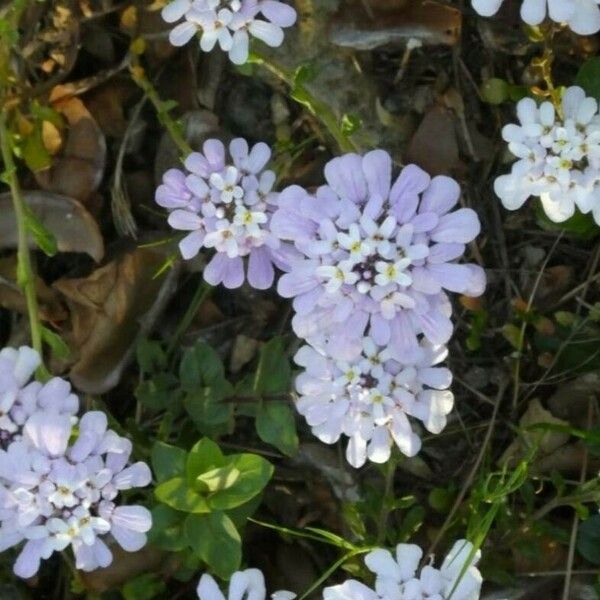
column 78, row 169
column 71, row 224
column 392, row 23
column 108, row 310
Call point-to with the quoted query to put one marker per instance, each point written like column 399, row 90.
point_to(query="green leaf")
column 589, row 77
column 167, row 529
column 200, row 366
column 240, row 514
column 167, row 461
column 204, row 456
column 216, row 541
column 206, row 407
column 159, row 392
column 255, row 473
column 44, row 239
column 495, row 91
column 144, row 587
column 178, row 495
column 350, row 124
column 219, row 479
column 273, row 374
column 588, row 539
column 58, row 345
column 151, row 356
column 33, row 151
column 304, row 74
column 276, row 425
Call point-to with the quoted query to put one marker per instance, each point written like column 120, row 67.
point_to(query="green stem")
column 25, row 274
column 162, row 110
column 203, row 291
column 303, row 96
column 390, row 471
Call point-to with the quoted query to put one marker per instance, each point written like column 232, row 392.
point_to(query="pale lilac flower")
column 379, row 255
column 369, row 399
column 57, row 494
column 244, row 585
column 582, row 16
column 225, row 202
column 19, row 398
column 558, row 157
column 229, row 23
column 398, row 577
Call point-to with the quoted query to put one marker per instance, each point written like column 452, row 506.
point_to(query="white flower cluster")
column 369, row 399
column 558, row 156
column 55, row 492
column 248, row 584
column 582, row 16
column 229, row 23
column 397, row 578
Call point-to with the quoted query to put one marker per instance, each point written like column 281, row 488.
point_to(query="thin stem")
column 390, row 471
column 203, row 291
column 25, row 274
column 138, row 74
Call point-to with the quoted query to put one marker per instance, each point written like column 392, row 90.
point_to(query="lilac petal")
column 404, row 195
column 356, row 451
column 136, row 518
column 403, row 340
column 184, row 220
column 423, row 281
column 129, row 540
column 260, row 269
column 216, row 269
column 441, row 253
column 234, row 276
column 441, row 195
column 345, row 176
column 304, row 303
column 214, row 151
column 477, row 281
column 454, row 278
column 278, row 13
column 377, row 167
column 137, row 475
column 197, row 164
column 436, row 326
column 240, row 47
column 269, row 33
column 175, row 10
column 190, row 245
column 182, row 33
column 28, row 561
column 28, row 360
column 295, row 283
column 258, row 158
column 461, row 226
column 380, row 330
column 197, row 185
column 49, row 432
column 238, row 148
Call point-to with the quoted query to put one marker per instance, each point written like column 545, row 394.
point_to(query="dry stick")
column 517, row 371
column 575, row 526
column 473, row 472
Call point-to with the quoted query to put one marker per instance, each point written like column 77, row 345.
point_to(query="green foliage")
column 498, row 91
column 589, row 77
column 579, row 226
column 144, row 587
column 588, row 539
column 205, row 495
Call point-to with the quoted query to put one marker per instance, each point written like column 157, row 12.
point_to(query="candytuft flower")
column 248, row 584
column 226, row 203
column 369, row 399
column 398, row 576
column 229, row 23
column 56, row 494
column 558, row 157
column 378, row 256
column 582, row 16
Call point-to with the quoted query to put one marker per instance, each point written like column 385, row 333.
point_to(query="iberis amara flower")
column 249, row 584
column 56, row 493
column 369, row 399
column 226, row 204
column 378, row 256
column 558, row 157
column 582, row 16
column 229, row 23
column 398, row 576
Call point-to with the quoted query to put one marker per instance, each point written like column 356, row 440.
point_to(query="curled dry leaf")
column 78, row 169
column 394, row 23
column 109, row 310
column 71, row 224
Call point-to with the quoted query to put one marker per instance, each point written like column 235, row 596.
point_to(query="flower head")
column 226, row 203
column 245, row 585
column 229, row 24
column 399, row 576
column 378, row 255
column 369, row 399
column 582, row 16
column 558, row 157
column 56, row 494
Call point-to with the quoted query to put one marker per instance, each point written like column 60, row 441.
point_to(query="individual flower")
column 378, row 255
column 369, row 399
column 229, row 23
column 582, row 16
column 58, row 493
column 558, row 157
column 398, row 576
column 226, row 203
column 244, row 585
column 20, row 398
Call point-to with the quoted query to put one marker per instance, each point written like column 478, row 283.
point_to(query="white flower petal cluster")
column 398, row 578
column 558, row 157
column 244, row 585
column 229, row 23
column 582, row 16
column 369, row 399
column 60, row 477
